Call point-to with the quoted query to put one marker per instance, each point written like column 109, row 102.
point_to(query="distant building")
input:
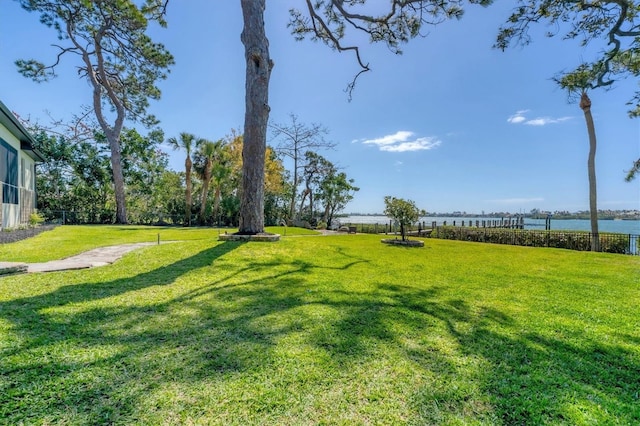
column 18, row 159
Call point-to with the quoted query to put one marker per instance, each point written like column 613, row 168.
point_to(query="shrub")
column 572, row 240
column 35, row 219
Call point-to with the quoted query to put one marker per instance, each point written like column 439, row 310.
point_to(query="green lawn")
column 65, row 241
column 318, row 330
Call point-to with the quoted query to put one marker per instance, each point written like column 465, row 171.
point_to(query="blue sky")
column 452, row 123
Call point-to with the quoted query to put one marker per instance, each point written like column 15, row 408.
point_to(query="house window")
column 9, row 173
column 32, row 177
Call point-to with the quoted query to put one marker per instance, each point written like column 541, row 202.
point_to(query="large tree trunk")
column 187, row 196
column 256, row 116
column 118, row 177
column 205, row 193
column 111, row 132
column 295, row 185
column 216, row 204
column 326, row 218
column 303, row 197
column 585, row 104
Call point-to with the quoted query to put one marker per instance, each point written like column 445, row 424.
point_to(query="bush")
column 572, row 240
column 36, row 219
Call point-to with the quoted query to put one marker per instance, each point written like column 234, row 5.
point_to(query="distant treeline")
column 533, row 214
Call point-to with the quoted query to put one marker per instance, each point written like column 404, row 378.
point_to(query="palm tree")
column 188, row 142
column 210, row 152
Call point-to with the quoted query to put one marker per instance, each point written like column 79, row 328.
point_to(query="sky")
column 451, row 124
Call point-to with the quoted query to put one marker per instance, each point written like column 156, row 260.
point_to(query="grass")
column 67, row 241
column 319, row 330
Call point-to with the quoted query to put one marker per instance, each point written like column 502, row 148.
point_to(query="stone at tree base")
column 405, row 243
column 261, row 237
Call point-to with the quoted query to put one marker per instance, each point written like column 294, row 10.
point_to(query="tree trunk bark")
column 216, row 204
column 111, row 132
column 303, row 199
column 118, row 177
column 326, row 219
column 258, row 72
column 205, row 193
column 187, row 196
column 585, row 105
column 295, row 185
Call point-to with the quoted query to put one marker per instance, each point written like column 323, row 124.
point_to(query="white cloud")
column 543, row 121
column 399, row 136
column 401, row 141
column 520, row 118
column 419, row 144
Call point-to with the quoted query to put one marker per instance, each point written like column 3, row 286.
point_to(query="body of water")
column 617, row 226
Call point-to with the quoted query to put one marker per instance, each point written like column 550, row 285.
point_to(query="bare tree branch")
column 328, row 21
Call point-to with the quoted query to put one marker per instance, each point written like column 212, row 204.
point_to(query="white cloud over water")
column 403, row 141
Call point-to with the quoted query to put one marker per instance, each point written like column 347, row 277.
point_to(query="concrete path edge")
column 100, row 256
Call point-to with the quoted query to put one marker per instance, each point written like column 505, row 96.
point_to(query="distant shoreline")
column 582, row 215
column 628, row 226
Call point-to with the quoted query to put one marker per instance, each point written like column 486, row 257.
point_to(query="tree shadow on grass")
column 528, row 378
column 95, row 360
column 519, row 378
column 30, row 319
column 541, row 379
column 25, row 315
column 221, row 340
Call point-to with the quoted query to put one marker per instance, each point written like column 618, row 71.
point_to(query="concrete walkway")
column 97, row 257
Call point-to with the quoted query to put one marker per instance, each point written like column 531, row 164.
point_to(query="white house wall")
column 13, row 215
column 9, row 138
